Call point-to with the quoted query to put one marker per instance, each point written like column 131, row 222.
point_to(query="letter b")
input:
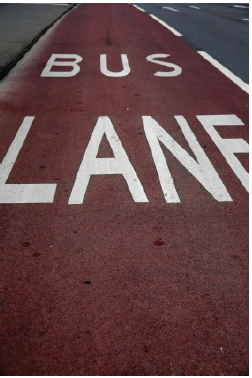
column 52, row 62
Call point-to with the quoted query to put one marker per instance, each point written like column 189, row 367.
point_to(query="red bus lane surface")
column 124, row 204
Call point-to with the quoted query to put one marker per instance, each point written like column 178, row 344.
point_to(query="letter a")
column 119, row 164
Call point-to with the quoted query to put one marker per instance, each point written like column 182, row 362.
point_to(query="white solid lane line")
column 174, row 31
column 142, row 10
column 171, row 9
column 225, row 71
column 245, row 19
column 192, row 6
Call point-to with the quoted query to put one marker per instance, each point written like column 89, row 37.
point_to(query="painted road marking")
column 118, row 165
column 103, row 66
column 241, row 6
column 53, row 62
column 228, row 147
column 225, row 71
column 174, row 31
column 22, row 193
column 201, row 167
column 245, row 19
column 137, row 7
column 153, row 58
column 192, row 6
column 37, row 193
column 171, row 9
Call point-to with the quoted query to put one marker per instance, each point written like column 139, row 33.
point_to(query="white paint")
column 225, row 71
column 241, row 6
column 192, row 6
column 52, row 62
column 118, row 165
column 171, row 9
column 228, row 147
column 22, row 193
column 137, row 7
column 153, row 59
column 103, row 66
column 174, row 31
column 201, row 168
column 245, row 19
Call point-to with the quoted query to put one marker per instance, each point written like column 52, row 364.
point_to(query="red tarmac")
column 111, row 286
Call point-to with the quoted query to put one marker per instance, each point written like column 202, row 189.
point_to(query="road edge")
column 14, row 61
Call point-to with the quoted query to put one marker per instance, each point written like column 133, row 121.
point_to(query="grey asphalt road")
column 20, row 24
column 222, row 30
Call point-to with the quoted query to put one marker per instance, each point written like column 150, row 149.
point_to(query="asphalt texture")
column 111, row 286
column 20, row 25
column 218, row 29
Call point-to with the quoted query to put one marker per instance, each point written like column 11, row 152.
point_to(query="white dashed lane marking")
column 171, row 9
column 241, row 6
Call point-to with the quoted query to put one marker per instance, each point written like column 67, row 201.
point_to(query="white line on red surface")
column 174, row 31
column 22, row 193
column 225, row 71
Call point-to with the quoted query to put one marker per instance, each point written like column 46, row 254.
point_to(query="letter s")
column 176, row 69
